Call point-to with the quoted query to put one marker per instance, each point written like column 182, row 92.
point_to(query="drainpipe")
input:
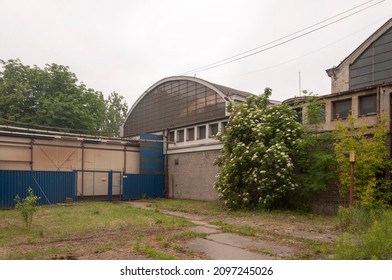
column 378, row 101
column 82, row 167
column 32, row 154
column 125, row 159
column 165, row 136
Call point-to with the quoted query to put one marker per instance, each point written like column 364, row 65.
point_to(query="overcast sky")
column 128, row 45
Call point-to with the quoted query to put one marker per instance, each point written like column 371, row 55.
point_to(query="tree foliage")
column 316, row 157
column 53, row 97
column 372, row 161
column 256, row 162
column 116, row 111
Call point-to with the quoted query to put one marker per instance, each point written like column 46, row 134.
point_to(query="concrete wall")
column 383, row 107
column 192, row 175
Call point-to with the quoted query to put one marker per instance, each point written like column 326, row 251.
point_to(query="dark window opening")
column 190, row 136
column 201, row 132
column 180, row 135
column 299, row 114
column 224, row 127
column 213, row 130
column 171, row 136
column 367, row 104
column 341, row 109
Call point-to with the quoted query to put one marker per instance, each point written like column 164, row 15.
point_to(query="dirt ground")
column 305, row 236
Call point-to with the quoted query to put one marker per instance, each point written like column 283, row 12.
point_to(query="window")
column 367, row 104
column 341, row 109
column 223, row 127
column 171, row 136
column 213, row 129
column 299, row 114
column 180, row 135
column 190, row 134
column 201, row 132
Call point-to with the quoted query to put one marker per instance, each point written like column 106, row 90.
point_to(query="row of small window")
column 342, row 108
column 196, row 133
column 367, row 105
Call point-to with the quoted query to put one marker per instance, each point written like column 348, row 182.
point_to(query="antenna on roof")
column 299, row 83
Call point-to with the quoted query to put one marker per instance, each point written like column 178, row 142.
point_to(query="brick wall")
column 192, row 175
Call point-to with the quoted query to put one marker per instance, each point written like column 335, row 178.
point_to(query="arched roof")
column 203, row 101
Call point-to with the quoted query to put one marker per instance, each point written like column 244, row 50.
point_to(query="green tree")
column 256, row 161
column 50, row 96
column 316, row 157
column 372, row 161
column 116, row 111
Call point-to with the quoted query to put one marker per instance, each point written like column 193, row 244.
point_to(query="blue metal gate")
column 50, row 186
column 137, row 186
column 151, row 182
column 151, row 154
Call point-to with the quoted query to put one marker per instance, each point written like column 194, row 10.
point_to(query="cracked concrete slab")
column 315, row 236
column 204, row 229
column 251, row 243
column 219, row 251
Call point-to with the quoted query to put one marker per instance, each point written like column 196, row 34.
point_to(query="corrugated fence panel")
column 138, row 186
column 151, row 154
column 50, row 186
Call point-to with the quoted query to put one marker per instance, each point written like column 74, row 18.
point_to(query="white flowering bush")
column 256, row 162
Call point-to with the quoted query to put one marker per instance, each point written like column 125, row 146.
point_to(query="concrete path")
column 225, row 246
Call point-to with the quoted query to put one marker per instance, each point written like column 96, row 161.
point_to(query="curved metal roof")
column 228, row 94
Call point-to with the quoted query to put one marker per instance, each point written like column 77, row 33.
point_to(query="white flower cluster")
column 255, row 165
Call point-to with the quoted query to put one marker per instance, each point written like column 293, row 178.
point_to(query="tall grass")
column 368, row 233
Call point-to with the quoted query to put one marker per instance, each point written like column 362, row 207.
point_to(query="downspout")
column 82, row 168
column 32, row 154
column 125, row 159
column 378, row 101
column 165, row 136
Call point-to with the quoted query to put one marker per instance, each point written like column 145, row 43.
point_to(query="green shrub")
column 256, row 161
column 27, row 207
column 372, row 161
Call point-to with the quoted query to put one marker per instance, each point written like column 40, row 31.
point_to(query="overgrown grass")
column 69, row 230
column 189, row 206
column 242, row 230
column 368, row 233
column 152, row 252
column 101, row 230
column 217, row 208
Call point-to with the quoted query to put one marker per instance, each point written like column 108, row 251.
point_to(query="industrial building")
column 187, row 112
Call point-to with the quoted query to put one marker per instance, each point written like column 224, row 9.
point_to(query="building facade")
column 188, row 112
column 361, row 85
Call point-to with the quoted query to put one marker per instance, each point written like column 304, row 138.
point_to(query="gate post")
column 75, row 181
column 110, row 185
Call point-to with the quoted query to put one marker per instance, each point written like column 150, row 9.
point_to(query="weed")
column 374, row 243
column 368, row 236
column 152, row 252
column 242, row 230
column 27, row 207
column 103, row 248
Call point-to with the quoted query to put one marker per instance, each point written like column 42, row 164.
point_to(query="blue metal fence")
column 136, row 186
column 151, row 154
column 50, row 186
